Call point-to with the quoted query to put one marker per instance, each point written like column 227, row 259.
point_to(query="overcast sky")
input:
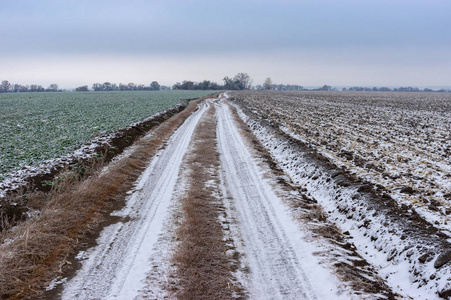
column 310, row 43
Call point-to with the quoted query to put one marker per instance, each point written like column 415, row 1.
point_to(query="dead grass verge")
column 203, row 268
column 33, row 252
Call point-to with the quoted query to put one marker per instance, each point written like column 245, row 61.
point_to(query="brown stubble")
column 203, row 268
column 41, row 247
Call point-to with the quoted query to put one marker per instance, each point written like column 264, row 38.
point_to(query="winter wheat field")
column 249, row 195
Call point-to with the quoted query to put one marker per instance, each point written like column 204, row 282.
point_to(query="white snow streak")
column 281, row 263
column 117, row 267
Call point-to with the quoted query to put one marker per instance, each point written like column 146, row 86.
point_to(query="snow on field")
column 409, row 253
column 400, row 141
column 280, row 262
column 117, row 268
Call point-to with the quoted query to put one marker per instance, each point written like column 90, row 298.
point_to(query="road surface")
column 279, row 263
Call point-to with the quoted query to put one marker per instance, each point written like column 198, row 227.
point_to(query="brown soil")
column 203, row 268
column 42, row 246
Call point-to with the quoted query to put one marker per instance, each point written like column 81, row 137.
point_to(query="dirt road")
column 279, row 263
column 275, row 261
column 117, row 267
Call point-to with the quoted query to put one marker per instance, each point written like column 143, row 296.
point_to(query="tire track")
column 273, row 245
column 117, row 267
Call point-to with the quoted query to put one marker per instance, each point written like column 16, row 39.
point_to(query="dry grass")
column 40, row 247
column 203, row 268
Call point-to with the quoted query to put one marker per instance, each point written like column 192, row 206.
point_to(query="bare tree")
column 123, row 87
column 326, row 88
column 53, row 88
column 97, row 87
column 107, row 86
column 267, row 85
column 16, row 87
column 243, row 80
column 4, row 88
column 155, row 86
column 131, row 86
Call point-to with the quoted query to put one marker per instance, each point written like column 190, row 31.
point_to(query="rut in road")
column 274, row 260
column 117, row 267
column 278, row 259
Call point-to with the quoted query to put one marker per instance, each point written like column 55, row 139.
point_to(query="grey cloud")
column 185, row 27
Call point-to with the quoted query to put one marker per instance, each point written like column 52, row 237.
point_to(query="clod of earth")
column 442, row 259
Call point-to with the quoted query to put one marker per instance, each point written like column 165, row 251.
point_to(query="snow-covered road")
column 117, row 267
column 277, row 262
column 281, row 263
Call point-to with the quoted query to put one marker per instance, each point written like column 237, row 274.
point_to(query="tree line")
column 7, row 87
column 386, row 89
column 240, row 81
column 191, row 85
column 269, row 85
column 107, row 86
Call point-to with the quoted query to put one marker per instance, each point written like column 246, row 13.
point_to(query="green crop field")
column 38, row 126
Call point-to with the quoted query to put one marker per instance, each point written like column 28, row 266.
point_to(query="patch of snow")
column 55, row 282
